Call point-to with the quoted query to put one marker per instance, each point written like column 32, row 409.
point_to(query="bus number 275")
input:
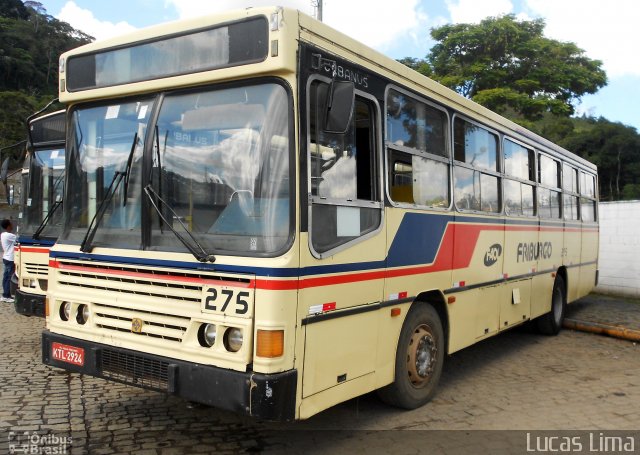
column 219, row 300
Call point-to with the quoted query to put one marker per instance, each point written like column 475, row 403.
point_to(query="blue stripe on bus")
column 28, row 240
column 410, row 247
column 417, row 240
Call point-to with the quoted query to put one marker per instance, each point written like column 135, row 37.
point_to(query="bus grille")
column 154, row 325
column 161, row 286
column 135, row 370
column 36, row 269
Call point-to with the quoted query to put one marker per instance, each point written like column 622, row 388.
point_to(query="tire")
column 551, row 323
column 419, row 359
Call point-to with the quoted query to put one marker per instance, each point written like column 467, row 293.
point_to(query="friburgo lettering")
column 533, row 251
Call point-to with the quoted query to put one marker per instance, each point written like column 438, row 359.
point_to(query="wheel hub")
column 421, row 356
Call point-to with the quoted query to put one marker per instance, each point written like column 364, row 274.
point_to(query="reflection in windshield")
column 224, row 160
column 45, row 187
column 102, row 140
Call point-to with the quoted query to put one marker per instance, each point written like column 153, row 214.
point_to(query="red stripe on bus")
column 29, row 249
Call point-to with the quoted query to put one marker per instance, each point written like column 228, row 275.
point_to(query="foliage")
column 503, row 64
column 13, row 9
column 421, row 66
column 30, row 43
column 614, row 148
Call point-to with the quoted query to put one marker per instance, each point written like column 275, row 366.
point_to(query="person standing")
column 8, row 240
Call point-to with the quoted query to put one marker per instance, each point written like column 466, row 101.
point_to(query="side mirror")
column 339, row 106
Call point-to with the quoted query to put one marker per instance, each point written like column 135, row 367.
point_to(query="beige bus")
column 264, row 215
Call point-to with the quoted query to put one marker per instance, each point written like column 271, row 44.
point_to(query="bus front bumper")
column 29, row 304
column 264, row 396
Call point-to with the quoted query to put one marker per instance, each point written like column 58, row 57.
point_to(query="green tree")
column 31, row 42
column 614, row 148
column 509, row 65
column 14, row 9
column 419, row 65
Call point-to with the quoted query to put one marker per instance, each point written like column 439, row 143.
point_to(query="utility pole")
column 317, row 9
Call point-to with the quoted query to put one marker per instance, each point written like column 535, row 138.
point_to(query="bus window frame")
column 570, row 193
column 541, row 185
column 411, row 151
column 499, row 173
column 316, row 200
column 594, row 199
column 532, row 183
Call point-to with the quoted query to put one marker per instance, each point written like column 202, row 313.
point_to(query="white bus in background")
column 41, row 211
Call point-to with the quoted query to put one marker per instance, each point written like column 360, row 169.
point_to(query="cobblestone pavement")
column 607, row 310
column 518, row 380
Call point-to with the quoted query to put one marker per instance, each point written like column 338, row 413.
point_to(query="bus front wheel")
column 551, row 323
column 419, row 359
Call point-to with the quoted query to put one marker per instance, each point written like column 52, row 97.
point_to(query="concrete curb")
column 602, row 329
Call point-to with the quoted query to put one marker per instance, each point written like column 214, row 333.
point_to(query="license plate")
column 68, row 354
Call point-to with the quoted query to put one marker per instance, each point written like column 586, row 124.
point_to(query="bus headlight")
column 207, row 335
column 82, row 315
column 233, row 339
column 65, row 311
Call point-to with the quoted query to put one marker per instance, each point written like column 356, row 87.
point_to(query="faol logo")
column 492, row 254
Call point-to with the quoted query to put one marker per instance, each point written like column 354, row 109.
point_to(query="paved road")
column 518, row 380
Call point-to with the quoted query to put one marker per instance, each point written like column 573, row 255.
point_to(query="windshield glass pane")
column 102, row 138
column 45, row 187
column 224, row 161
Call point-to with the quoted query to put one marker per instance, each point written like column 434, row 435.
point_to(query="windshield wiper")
column 199, row 253
column 159, row 157
column 45, row 221
column 118, row 177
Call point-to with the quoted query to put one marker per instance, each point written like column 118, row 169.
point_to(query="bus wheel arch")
column 419, row 358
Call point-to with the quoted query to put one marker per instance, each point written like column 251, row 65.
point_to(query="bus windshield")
column 218, row 167
column 44, row 188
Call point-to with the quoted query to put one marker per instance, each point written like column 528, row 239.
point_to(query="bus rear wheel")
column 551, row 323
column 419, row 359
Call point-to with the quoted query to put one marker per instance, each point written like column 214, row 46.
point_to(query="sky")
column 607, row 31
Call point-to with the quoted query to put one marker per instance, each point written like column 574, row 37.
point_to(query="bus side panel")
column 336, row 344
column 571, row 260
column 516, row 300
column 549, row 258
column 474, row 242
column 589, row 256
column 339, row 350
column 462, row 320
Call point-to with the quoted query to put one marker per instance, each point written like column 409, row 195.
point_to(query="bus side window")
column 476, row 177
column 417, row 152
column 570, row 199
column 518, row 184
column 587, row 197
column 549, row 197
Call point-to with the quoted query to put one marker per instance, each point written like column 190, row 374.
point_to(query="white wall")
column 619, row 260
